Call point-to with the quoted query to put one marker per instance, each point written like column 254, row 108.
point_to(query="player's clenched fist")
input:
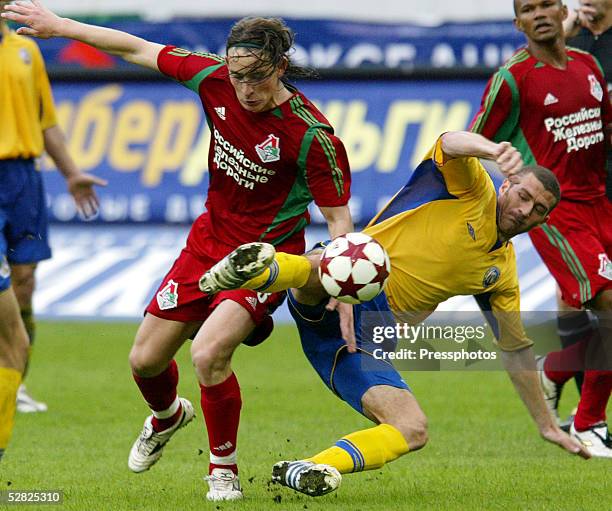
column 40, row 22
column 508, row 158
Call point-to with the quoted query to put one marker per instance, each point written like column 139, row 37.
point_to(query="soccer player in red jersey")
column 550, row 101
column 272, row 153
column 588, row 28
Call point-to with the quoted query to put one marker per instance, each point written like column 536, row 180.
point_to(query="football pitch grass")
column 484, row 452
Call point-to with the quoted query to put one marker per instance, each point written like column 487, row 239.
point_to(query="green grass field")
column 484, row 452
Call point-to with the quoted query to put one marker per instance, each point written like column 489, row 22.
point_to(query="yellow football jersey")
column 440, row 232
column 26, row 102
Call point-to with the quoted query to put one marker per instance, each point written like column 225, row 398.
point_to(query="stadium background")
column 390, row 82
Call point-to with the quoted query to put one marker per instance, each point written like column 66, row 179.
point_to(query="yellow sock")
column 285, row 272
column 364, row 450
column 9, row 383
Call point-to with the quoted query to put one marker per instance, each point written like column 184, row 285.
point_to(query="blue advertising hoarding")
column 150, row 141
column 323, row 43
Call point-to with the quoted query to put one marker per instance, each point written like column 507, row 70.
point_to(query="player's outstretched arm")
column 463, row 144
column 40, row 22
column 522, row 371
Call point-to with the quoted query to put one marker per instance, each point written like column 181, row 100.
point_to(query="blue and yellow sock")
column 286, row 272
column 9, row 383
column 364, row 450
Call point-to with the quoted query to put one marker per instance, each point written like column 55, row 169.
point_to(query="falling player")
column 446, row 233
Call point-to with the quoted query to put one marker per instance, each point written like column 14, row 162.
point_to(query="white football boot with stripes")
column 307, row 477
column 223, row 484
column 148, row 447
column 596, row 439
column 239, row 266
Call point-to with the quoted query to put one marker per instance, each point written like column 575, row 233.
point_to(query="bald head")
column 517, row 5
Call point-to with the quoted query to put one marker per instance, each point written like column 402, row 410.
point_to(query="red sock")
column 221, row 405
column 594, row 399
column 160, row 394
column 560, row 366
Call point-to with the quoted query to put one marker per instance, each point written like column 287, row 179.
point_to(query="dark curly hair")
column 270, row 40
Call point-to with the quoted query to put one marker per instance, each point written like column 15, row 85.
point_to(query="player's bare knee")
column 400, row 409
column 144, row 364
column 414, row 431
column 211, row 357
column 136, row 362
column 411, row 422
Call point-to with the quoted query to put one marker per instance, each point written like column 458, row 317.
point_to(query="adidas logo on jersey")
column 220, row 112
column 252, row 301
column 550, row 99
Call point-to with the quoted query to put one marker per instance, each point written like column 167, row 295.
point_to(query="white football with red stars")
column 354, row 268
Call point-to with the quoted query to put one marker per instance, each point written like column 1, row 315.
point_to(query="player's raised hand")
column 81, row 187
column 563, row 440
column 347, row 324
column 508, row 158
column 40, row 22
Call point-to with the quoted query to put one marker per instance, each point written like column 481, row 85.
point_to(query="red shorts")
column 179, row 298
column 576, row 246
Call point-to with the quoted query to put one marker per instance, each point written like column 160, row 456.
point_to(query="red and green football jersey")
column 554, row 117
column 265, row 167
